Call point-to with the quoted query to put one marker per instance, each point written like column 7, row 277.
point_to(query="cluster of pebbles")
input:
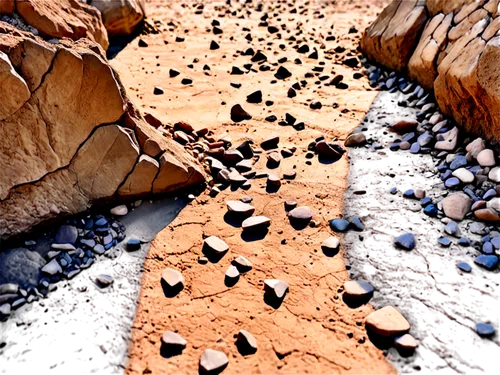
column 18, row 22
column 76, row 246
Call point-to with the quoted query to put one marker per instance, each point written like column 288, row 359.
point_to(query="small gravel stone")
column 445, row 242
column 104, row 280
column 133, row 244
column 356, row 224
column 405, row 241
column 452, row 229
column 339, row 225
column 356, row 139
column 232, row 272
column 242, row 263
column 464, row 267
column 358, row 289
column 485, row 330
column 290, row 205
column 67, row 234
column 52, row 268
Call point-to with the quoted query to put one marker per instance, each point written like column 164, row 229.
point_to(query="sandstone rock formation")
column 122, row 16
column 69, row 136
column 62, row 18
column 456, row 53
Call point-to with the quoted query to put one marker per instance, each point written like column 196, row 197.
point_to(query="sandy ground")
column 83, row 328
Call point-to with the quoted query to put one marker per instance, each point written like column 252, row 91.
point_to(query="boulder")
column 394, row 35
column 120, row 17
column 456, row 54
column 64, row 19
column 76, row 139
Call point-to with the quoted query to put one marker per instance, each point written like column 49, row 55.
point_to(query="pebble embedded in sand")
column 255, row 222
column 255, row 97
column 216, row 245
column 485, row 330
column 356, row 139
column 302, row 213
column 339, row 225
column 387, row 322
column 270, row 143
column 238, row 114
column 405, row 241
column 358, row 289
column 240, row 208
column 104, row 280
column 213, row 361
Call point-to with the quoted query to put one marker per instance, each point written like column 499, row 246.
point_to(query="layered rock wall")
column 455, row 52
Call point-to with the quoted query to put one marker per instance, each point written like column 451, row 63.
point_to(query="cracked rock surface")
column 452, row 47
column 70, row 136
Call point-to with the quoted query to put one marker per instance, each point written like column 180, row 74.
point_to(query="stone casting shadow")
column 271, row 189
column 326, row 160
column 273, row 301
column 244, row 349
column 355, row 302
column 298, row 224
column 169, row 291
column 169, row 351
column 330, row 252
column 234, row 219
column 381, row 342
column 212, row 256
column 442, row 305
column 81, row 327
column 214, row 372
column 230, row 281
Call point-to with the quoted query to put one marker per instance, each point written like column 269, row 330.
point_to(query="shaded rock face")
column 69, row 137
column 122, row 16
column 456, row 53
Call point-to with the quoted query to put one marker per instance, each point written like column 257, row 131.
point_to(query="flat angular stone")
column 339, row 225
column 63, row 246
column 463, row 266
column 255, row 222
column 216, row 245
column 173, row 340
column 302, row 213
column 330, row 244
column 104, row 280
column 278, row 287
column 52, row 268
column 213, row 361
column 405, row 241
column 358, row 289
column 240, row 208
column 406, row 342
column 387, row 322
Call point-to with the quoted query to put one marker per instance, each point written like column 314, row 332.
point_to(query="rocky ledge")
column 451, row 47
column 70, row 135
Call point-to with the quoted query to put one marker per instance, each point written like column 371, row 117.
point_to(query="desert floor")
column 82, row 327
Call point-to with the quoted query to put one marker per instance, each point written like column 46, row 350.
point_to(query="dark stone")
column 405, row 241
column 339, row 225
column 464, row 266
